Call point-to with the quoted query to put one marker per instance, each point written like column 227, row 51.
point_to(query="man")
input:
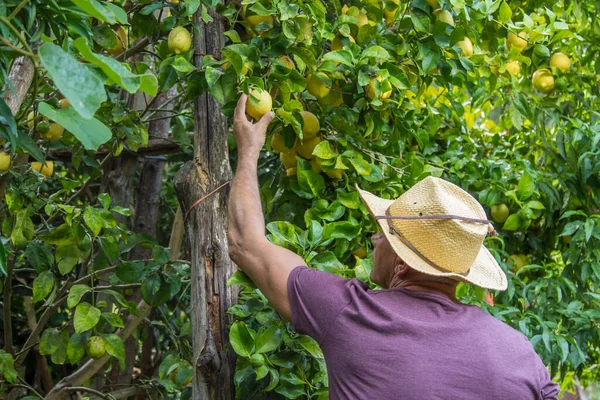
column 412, row 340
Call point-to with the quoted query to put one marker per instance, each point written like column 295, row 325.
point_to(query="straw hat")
column 437, row 228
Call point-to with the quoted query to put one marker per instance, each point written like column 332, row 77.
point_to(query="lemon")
column 291, row 171
column 336, row 174
column 444, row 16
column 467, row 47
column 179, row 40
column 254, row 20
column 389, row 16
column 500, row 213
column 337, row 44
column 560, row 61
column 316, row 86
column 264, row 105
column 42, row 127
column 31, row 120
column 513, row 67
column 360, row 252
column 285, row 60
column 370, row 89
column 311, row 125
column 433, row 3
column 45, row 170
column 54, row 132
column 305, row 148
column 288, row 159
column 543, row 81
column 64, row 103
column 122, row 41
column 518, row 42
column 316, row 165
column 278, row 144
column 4, row 161
column 95, row 348
column 518, row 261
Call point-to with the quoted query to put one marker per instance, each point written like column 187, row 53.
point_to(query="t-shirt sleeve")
column 550, row 389
column 316, row 299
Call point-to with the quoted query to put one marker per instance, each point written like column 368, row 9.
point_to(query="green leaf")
column 312, row 181
column 505, row 13
column 86, row 317
column 240, row 278
column 59, row 356
column 67, row 257
column 76, row 82
column 131, row 272
column 97, row 219
column 323, row 150
column 39, row 255
column 290, row 391
column 43, row 286
column 60, row 236
column 375, row 52
column 155, row 290
column 113, row 319
column 526, row 186
column 430, row 55
column 240, row 339
column 8, row 125
column 3, row 258
column 90, row 132
column 118, row 72
column 161, row 255
column 7, row 367
column 22, row 232
column 76, row 348
column 115, row 347
column 541, row 51
column 97, row 10
column 50, row 341
column 512, row 223
column 310, row 345
column 341, row 230
column 76, row 293
column 268, row 340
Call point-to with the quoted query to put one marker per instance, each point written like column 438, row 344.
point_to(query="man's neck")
column 424, row 285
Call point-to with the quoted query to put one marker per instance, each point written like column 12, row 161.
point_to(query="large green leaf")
column 67, row 257
column 118, row 72
column 115, row 347
column 76, row 348
column 7, row 367
column 100, row 11
column 131, row 272
column 75, row 81
column 240, row 339
column 268, row 340
column 90, row 132
column 76, row 293
column 86, row 317
column 50, row 341
column 22, row 232
column 43, row 286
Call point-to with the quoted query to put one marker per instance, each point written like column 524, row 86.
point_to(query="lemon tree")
column 96, row 110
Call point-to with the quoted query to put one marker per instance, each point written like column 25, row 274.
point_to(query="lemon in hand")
column 257, row 109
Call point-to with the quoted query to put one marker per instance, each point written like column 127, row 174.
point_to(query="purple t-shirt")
column 402, row 344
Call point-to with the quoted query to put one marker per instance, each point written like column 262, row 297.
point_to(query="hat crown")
column 452, row 244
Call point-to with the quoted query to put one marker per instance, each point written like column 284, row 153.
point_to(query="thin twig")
column 88, row 390
column 17, row 9
column 15, row 48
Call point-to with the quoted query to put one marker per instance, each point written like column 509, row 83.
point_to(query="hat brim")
column 485, row 271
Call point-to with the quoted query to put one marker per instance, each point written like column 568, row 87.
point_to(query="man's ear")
column 401, row 269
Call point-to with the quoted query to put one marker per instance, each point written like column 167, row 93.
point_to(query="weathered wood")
column 20, row 78
column 206, row 226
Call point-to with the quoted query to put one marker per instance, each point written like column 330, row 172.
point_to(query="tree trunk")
column 206, row 226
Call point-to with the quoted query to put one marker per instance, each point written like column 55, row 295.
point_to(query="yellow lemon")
column 311, row 125
column 543, row 80
column 337, row 44
column 370, row 89
column 518, row 261
column 64, row 103
column 433, row 3
column 45, row 170
column 4, row 161
column 518, row 42
column 360, row 252
column 316, row 86
column 467, row 47
column 305, row 148
column 288, row 159
column 179, row 40
column 316, row 165
column 264, row 105
column 336, row 174
column 278, row 144
column 390, row 15
column 31, row 120
column 122, row 41
column 444, row 16
column 285, row 60
column 254, row 20
column 513, row 67
column 560, row 61
column 291, row 171
column 54, row 133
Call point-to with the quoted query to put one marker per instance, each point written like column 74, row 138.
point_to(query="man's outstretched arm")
column 268, row 265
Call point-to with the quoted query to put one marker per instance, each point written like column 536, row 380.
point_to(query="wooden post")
column 206, row 226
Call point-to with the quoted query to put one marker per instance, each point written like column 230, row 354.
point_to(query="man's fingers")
column 266, row 120
column 240, row 109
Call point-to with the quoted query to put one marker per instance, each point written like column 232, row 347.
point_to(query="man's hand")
column 250, row 137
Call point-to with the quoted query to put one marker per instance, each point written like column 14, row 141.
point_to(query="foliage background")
column 465, row 119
